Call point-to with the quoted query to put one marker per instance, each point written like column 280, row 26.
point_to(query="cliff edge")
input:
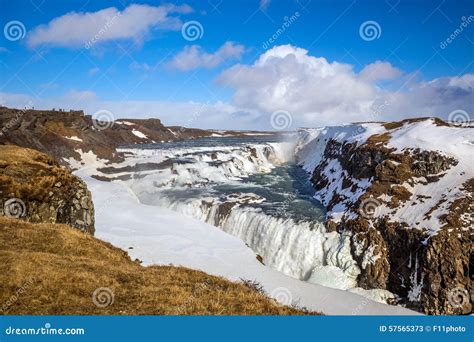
column 403, row 192
column 35, row 188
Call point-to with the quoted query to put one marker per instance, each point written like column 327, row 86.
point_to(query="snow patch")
column 75, row 138
column 127, row 123
column 139, row 134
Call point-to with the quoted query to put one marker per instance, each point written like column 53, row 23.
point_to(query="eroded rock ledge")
column 370, row 187
column 37, row 189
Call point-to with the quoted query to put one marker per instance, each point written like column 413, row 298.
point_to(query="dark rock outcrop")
column 35, row 188
column 429, row 272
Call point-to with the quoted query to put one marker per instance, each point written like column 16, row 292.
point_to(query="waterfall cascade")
column 256, row 193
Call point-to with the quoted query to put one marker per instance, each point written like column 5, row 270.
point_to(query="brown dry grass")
column 60, row 129
column 28, row 174
column 12, row 154
column 54, row 269
column 379, row 138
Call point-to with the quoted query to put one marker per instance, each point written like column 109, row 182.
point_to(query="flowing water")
column 249, row 187
column 281, row 190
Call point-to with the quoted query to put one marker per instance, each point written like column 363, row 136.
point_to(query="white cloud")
column 79, row 29
column 437, row 97
column 287, row 78
column 379, row 71
column 193, row 57
column 318, row 92
column 314, row 91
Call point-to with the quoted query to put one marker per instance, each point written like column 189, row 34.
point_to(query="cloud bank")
column 311, row 89
column 317, row 92
column 77, row 29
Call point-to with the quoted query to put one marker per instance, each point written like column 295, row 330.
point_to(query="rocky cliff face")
column 65, row 135
column 35, row 188
column 405, row 192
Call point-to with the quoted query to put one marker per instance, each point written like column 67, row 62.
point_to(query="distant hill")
column 69, row 134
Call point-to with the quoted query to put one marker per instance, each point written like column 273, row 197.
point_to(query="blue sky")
column 141, row 63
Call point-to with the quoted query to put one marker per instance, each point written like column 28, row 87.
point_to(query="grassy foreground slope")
column 55, row 269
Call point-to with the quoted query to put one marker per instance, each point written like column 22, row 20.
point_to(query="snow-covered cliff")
column 403, row 191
